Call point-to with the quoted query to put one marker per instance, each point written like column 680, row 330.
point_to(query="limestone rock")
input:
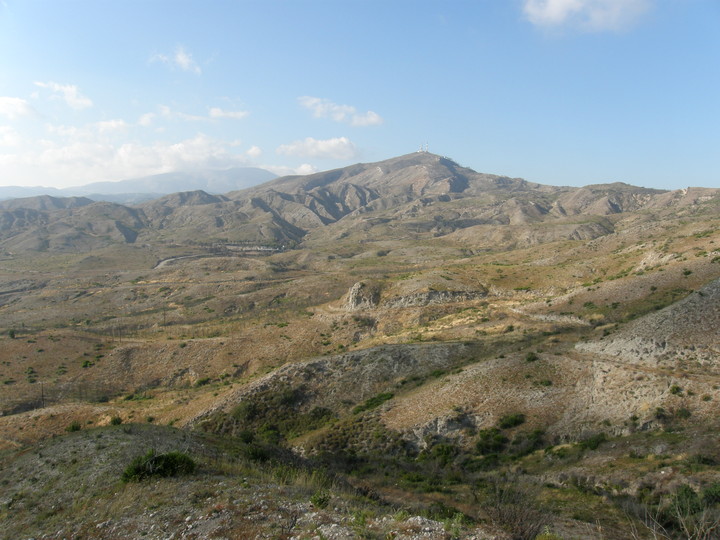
column 362, row 296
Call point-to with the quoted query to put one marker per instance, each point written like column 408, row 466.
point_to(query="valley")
column 398, row 349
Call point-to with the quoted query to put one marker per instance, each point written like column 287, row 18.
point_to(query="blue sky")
column 563, row 92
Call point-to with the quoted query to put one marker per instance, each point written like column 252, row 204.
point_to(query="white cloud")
column 185, row 61
column 63, row 131
column 8, row 136
column 593, row 15
column 88, row 131
column 13, row 108
column 337, row 148
column 216, row 112
column 282, row 170
column 81, row 161
column 146, row 119
column 110, row 125
column 167, row 112
column 324, row 108
column 254, row 152
column 305, row 168
column 180, row 59
column 370, row 118
column 69, row 93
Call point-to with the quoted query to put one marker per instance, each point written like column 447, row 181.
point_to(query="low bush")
column 490, row 441
column 373, row 402
column 511, row 420
column 161, row 465
column 592, row 442
column 320, row 499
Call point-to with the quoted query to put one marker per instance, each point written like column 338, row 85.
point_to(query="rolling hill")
column 371, row 346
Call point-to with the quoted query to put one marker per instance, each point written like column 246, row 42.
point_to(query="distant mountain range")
column 145, row 188
column 419, row 195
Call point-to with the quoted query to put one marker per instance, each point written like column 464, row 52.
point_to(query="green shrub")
column 443, row 452
column 161, row 465
column 373, row 402
column 115, row 421
column 686, row 501
column 255, row 452
column 711, row 494
column 531, row 357
column 592, row 442
column 320, row 499
column 74, row 426
column 675, row 390
column 511, row 420
column 526, row 443
column 490, row 441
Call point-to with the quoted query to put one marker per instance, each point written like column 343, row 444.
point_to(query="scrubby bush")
column 711, row 494
column 320, row 499
column 161, row 465
column 373, row 402
column 74, row 426
column 115, row 421
column 490, row 441
column 511, row 420
column 592, row 442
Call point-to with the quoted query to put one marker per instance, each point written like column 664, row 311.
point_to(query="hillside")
column 445, row 345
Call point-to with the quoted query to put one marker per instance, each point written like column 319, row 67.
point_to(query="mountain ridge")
column 431, row 193
column 134, row 190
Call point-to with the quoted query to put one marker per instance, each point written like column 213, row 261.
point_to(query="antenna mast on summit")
column 423, row 148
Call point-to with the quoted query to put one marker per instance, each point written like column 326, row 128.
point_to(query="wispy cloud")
column 69, row 93
column 167, row 112
column 254, row 152
column 146, row 119
column 8, row 136
column 592, row 15
column 82, row 160
column 12, row 108
column 106, row 126
column 324, row 108
column 180, row 59
column 282, row 170
column 216, row 112
column 337, row 148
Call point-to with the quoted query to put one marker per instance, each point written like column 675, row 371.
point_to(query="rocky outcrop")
column 688, row 330
column 362, row 296
column 433, row 297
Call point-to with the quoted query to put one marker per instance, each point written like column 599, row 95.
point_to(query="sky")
column 561, row 92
